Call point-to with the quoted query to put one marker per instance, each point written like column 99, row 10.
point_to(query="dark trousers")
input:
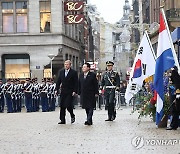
column 63, row 113
column 44, row 103
column 19, row 105
column 100, row 101
column 122, row 98
column 175, row 114
column 175, row 120
column 89, row 113
column 35, row 104
column 52, row 104
column 2, row 104
column 28, row 102
column 110, row 102
column 9, row 104
column 14, row 102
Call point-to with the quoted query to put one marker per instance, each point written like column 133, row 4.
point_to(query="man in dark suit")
column 88, row 90
column 67, row 82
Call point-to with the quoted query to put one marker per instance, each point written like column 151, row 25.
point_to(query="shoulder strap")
column 110, row 80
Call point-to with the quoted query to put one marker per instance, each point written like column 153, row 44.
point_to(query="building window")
column 76, row 32
column 17, row 68
column 80, row 36
column 74, row 64
column 14, row 19
column 47, row 73
column 77, row 64
column 45, row 17
column 21, row 16
column 7, row 17
column 70, row 58
column 66, row 57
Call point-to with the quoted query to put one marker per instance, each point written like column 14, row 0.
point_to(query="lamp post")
column 51, row 56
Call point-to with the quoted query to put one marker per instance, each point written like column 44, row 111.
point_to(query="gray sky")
column 111, row 10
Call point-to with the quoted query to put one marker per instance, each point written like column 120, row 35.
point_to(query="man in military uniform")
column 1, row 96
column 19, row 90
column 35, row 95
column 14, row 95
column 52, row 95
column 8, row 92
column 44, row 97
column 28, row 94
column 111, row 83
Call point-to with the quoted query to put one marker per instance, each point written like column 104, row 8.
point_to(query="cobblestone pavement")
column 39, row 133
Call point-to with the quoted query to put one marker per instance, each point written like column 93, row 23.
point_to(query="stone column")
column 56, row 16
column 34, row 17
column 1, row 18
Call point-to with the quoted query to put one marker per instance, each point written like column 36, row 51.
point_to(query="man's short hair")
column 68, row 61
column 87, row 64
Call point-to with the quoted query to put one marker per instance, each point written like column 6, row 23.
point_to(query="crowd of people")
column 31, row 94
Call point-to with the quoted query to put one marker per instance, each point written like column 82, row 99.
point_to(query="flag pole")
column 150, row 44
column 170, row 39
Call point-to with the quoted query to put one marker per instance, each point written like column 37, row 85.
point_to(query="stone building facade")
column 172, row 11
column 31, row 31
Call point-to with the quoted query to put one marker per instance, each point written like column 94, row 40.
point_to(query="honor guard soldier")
column 28, row 94
column 1, row 96
column 48, row 83
column 19, row 93
column 33, row 96
column 36, row 95
column 43, row 94
column 52, row 95
column 37, row 85
column 8, row 91
column 111, row 83
column 14, row 95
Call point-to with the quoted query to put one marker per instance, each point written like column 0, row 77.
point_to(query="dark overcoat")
column 67, row 86
column 88, row 87
column 175, row 78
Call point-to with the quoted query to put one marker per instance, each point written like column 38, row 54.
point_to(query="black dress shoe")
column 73, row 120
column 61, row 122
column 171, row 128
column 108, row 120
column 113, row 118
column 88, row 123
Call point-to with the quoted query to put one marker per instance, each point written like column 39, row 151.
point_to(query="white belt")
column 110, row 86
column 28, row 91
column 44, row 91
